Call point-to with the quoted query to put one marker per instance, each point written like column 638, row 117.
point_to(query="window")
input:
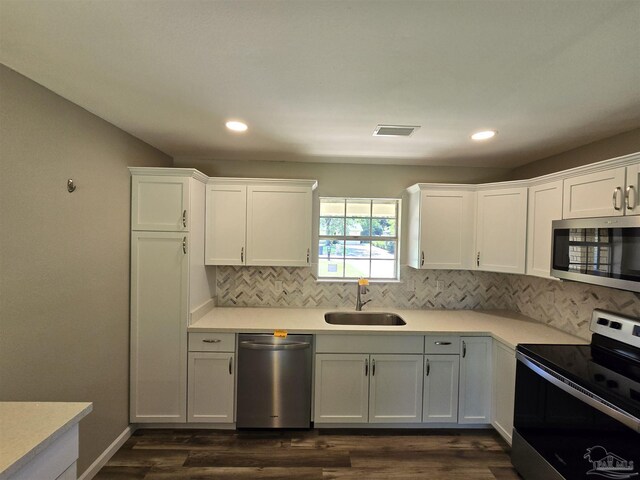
column 358, row 238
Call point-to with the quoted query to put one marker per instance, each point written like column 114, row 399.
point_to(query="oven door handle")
column 576, row 391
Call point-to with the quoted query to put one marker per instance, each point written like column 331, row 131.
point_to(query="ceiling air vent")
column 395, row 130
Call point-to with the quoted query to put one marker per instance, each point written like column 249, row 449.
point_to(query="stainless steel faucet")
column 362, row 290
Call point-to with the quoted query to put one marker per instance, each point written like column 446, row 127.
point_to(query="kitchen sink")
column 363, row 318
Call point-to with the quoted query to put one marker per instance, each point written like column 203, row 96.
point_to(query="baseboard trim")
column 105, row 456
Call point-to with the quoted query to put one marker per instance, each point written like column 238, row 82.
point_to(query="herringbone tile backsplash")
column 565, row 305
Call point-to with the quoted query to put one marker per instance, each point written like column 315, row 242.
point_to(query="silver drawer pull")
column 211, row 340
column 442, row 343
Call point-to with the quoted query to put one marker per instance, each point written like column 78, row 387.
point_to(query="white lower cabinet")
column 341, row 388
column 440, row 398
column 211, row 387
column 475, row 380
column 362, row 388
column 395, row 391
column 504, row 387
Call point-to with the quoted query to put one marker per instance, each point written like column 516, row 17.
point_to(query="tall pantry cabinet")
column 168, row 283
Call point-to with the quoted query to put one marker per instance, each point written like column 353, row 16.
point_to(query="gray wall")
column 611, row 147
column 353, row 180
column 64, row 258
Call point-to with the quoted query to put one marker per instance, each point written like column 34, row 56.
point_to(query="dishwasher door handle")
column 271, row 346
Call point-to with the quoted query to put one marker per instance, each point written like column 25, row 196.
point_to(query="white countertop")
column 507, row 327
column 27, row 428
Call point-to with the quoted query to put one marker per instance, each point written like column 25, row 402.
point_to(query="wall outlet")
column 439, row 285
column 278, row 285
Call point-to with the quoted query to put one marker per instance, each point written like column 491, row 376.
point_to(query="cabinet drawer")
column 442, row 344
column 369, row 344
column 212, row 342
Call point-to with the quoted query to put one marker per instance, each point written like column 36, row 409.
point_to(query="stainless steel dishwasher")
column 274, row 381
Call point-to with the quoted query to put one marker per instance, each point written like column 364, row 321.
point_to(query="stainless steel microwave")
column 602, row 251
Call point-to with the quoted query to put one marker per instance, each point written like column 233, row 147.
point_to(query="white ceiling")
column 314, row 78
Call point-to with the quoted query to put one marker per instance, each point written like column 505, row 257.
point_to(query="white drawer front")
column 369, row 344
column 441, row 344
column 212, row 342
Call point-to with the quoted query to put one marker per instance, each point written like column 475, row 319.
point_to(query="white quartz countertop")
column 507, row 327
column 27, row 428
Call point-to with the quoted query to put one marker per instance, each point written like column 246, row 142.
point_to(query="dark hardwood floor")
column 311, row 454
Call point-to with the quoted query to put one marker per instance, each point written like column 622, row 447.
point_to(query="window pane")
column 332, row 207
column 330, row 268
column 356, row 268
column 384, row 227
column 331, row 249
column 357, row 249
column 383, row 269
column 383, row 250
column 358, row 208
column 332, row 226
column 384, row 208
column 358, row 227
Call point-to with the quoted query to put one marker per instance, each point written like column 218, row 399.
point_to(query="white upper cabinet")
column 599, row 194
column 266, row 222
column 160, row 203
column 502, row 230
column 279, row 224
column 226, row 224
column 441, row 228
column 545, row 205
column 631, row 199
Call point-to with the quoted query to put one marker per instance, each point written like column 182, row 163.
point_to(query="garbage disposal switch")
column 274, row 381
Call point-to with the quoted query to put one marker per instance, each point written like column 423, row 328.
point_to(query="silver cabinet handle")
column 422, row 259
column 211, row 340
column 631, row 205
column 184, row 218
column 615, row 198
column 307, row 255
column 428, row 367
column 184, row 245
column 242, row 254
column 478, row 259
column 373, row 367
column 366, row 367
column 442, row 343
column 464, row 349
column 230, row 365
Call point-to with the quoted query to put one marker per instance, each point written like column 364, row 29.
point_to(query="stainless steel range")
column 577, row 407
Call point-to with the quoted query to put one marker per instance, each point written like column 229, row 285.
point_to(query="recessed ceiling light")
column 484, row 135
column 236, row 126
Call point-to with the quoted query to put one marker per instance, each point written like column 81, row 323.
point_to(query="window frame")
column 366, row 238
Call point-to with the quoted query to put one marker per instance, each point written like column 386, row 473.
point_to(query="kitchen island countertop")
column 28, row 428
column 507, row 327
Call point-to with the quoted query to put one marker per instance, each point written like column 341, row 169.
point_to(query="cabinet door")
column 440, row 399
column 279, row 225
column 599, row 194
column 159, row 203
column 475, row 380
column 632, row 201
column 447, row 227
column 341, row 388
column 502, row 230
column 226, row 223
column 504, row 387
column 211, row 387
column 545, row 205
column 159, row 308
column 396, row 389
